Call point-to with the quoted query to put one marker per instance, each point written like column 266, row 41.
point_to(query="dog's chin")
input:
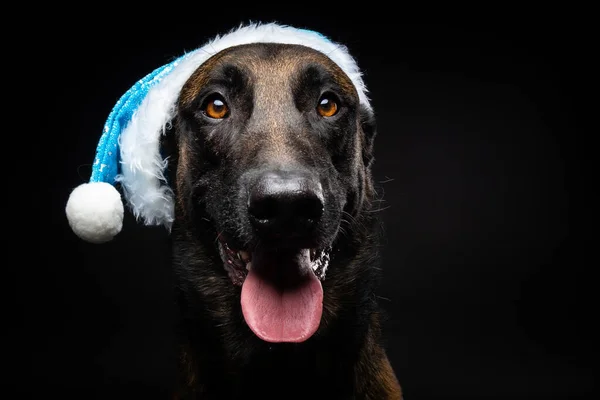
column 281, row 292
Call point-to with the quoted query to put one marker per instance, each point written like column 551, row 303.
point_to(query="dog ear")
column 369, row 128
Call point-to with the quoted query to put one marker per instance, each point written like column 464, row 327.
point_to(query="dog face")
column 273, row 156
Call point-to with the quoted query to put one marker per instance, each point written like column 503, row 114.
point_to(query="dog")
column 275, row 240
column 256, row 152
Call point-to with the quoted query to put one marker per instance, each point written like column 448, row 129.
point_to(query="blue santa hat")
column 128, row 151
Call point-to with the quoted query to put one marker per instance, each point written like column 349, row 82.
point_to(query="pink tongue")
column 283, row 312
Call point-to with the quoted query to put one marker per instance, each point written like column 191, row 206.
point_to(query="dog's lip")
column 241, row 254
column 234, row 265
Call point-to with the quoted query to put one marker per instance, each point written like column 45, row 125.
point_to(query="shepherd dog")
column 276, row 239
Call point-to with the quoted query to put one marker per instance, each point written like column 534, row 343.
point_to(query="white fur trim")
column 142, row 165
column 95, row 211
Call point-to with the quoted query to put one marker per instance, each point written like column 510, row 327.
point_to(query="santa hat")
column 128, row 151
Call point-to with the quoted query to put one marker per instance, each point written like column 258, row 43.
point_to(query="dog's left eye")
column 327, row 106
column 215, row 107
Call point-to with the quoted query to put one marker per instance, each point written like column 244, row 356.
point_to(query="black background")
column 480, row 156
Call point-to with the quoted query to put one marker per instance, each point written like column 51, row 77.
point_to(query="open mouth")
column 282, row 296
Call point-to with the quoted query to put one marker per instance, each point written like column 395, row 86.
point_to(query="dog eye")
column 215, row 107
column 327, row 106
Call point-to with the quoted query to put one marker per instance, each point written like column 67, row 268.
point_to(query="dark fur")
column 220, row 358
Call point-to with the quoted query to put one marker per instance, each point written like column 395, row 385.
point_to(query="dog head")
column 274, row 150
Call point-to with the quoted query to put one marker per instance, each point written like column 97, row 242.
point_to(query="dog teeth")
column 320, row 263
column 243, row 256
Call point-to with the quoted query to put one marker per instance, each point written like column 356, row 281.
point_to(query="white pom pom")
column 95, row 211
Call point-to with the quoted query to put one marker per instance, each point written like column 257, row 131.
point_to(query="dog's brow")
column 263, row 61
column 200, row 78
column 323, row 73
column 326, row 70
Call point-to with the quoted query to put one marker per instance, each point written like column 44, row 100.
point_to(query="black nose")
column 285, row 204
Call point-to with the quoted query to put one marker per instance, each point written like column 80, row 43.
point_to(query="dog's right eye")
column 328, row 105
column 215, row 107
